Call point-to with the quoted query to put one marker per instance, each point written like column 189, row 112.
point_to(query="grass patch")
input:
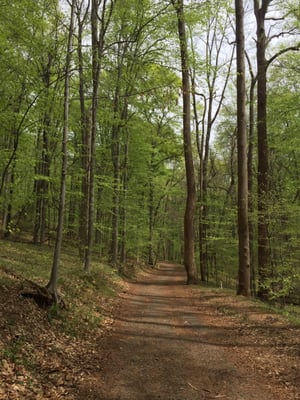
column 88, row 296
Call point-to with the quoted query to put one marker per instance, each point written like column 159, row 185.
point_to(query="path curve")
column 166, row 346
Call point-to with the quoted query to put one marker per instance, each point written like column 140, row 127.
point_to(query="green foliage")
column 139, row 97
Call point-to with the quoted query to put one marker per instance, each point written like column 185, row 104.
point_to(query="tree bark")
column 98, row 36
column 189, row 257
column 251, row 205
column 264, row 262
column 115, row 153
column 243, row 228
column 52, row 284
column 85, row 129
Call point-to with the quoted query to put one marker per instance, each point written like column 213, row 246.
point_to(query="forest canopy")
column 101, row 82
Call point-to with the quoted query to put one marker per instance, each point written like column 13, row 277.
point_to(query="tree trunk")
column 85, row 129
column 264, row 262
column 243, row 229
column 124, row 198
column 102, row 14
column 250, row 176
column 52, row 284
column 189, row 258
column 151, row 210
column 115, row 153
column 7, row 217
column 41, row 186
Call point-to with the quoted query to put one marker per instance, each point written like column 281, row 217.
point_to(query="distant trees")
column 127, row 160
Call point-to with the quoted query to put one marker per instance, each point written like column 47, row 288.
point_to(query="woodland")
column 137, row 131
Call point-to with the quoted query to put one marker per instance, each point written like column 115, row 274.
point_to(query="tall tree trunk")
column 124, row 197
column 94, row 110
column 251, row 140
column 115, row 153
column 85, row 129
column 41, row 186
column 214, row 46
column 8, row 173
column 151, row 209
column 41, row 227
column 103, row 15
column 243, row 228
column 264, row 262
column 52, row 284
column 189, row 257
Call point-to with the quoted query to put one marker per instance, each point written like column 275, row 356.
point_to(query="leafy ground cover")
column 45, row 352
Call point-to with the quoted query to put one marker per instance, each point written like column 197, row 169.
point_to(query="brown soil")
column 161, row 339
column 176, row 342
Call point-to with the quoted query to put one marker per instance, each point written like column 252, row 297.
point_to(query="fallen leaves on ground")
column 40, row 359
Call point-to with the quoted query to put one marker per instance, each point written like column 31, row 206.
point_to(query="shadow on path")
column 166, row 346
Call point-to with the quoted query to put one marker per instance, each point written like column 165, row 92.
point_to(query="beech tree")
column 210, row 74
column 243, row 228
column 52, row 284
column 101, row 13
column 129, row 182
column 263, row 172
column 189, row 251
column 48, row 65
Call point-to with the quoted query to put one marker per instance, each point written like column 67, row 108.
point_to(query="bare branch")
column 283, row 51
column 293, row 31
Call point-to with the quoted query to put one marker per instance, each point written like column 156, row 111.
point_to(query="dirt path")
column 171, row 342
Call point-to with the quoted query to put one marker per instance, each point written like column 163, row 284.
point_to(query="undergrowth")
column 86, row 295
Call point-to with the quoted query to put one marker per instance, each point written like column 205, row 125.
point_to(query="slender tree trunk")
column 85, row 157
column 124, row 197
column 200, row 146
column 52, row 284
column 103, row 15
column 42, row 184
column 151, row 210
column 212, row 107
column 264, row 262
column 85, row 128
column 7, row 217
column 243, row 229
column 94, row 110
column 189, row 257
column 115, row 152
column 8, row 173
column 250, row 175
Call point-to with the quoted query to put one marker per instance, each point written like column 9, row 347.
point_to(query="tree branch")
column 283, row 51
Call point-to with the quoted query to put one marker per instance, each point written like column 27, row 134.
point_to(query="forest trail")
column 170, row 341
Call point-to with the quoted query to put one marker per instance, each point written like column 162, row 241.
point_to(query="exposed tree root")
column 43, row 297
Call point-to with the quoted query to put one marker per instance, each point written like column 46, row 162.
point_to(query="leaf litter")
column 48, row 357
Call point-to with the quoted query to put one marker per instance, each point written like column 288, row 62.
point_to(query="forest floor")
column 160, row 339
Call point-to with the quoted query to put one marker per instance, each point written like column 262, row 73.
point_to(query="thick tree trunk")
column 189, row 257
column 243, row 229
column 264, row 262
